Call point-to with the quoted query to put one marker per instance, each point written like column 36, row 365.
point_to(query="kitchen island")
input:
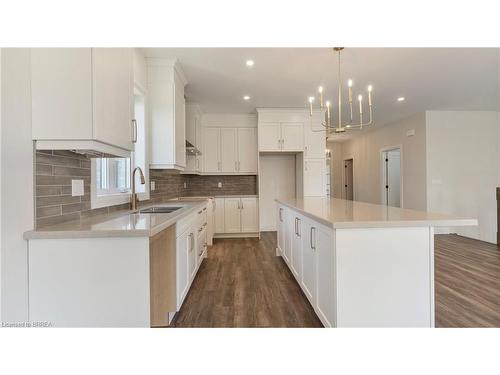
column 361, row 264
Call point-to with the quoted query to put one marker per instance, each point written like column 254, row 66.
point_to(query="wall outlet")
column 77, row 188
column 219, row 185
column 152, row 185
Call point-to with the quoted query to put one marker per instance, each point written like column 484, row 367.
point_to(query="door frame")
column 343, row 178
column 382, row 173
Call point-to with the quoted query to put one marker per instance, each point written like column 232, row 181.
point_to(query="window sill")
column 109, row 200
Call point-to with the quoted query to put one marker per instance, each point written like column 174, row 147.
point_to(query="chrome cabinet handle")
column 204, row 225
column 134, row 131
column 297, row 227
column 197, row 163
column 281, row 217
column 311, row 238
column 204, row 208
column 199, row 230
column 191, row 242
column 299, row 231
column 241, row 204
column 279, row 143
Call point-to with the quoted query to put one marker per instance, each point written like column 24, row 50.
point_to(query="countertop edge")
column 383, row 224
column 111, row 233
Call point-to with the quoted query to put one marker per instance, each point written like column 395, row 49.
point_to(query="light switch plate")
column 77, row 188
column 410, row 133
column 219, row 185
column 153, row 185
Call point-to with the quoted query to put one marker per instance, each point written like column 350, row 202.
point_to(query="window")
column 111, row 176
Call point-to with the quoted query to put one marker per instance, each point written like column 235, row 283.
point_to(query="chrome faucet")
column 133, row 198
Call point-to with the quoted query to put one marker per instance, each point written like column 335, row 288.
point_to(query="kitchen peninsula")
column 361, row 264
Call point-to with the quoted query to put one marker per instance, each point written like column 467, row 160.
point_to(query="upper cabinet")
column 281, row 130
column 168, row 114
column 82, row 99
column 229, row 150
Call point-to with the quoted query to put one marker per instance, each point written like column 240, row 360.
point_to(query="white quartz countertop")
column 119, row 224
column 340, row 213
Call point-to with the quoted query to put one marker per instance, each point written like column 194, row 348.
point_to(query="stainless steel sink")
column 159, row 210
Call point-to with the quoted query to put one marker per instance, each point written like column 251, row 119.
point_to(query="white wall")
column 16, row 182
column 364, row 148
column 463, row 168
column 276, row 180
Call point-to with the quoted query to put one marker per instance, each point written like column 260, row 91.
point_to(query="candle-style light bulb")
column 349, row 83
column 370, row 88
column 328, row 111
column 320, row 90
column 311, row 100
column 360, row 99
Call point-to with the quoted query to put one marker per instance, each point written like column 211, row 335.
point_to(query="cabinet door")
column 314, row 141
column 292, row 136
column 210, row 221
column 269, row 136
column 180, row 122
column 249, row 215
column 112, row 87
column 191, row 162
column 325, row 291
column 314, row 177
column 182, row 275
column 61, row 93
column 296, row 264
column 247, row 150
column 308, row 281
column 192, row 255
column 232, row 215
column 281, row 228
column 287, row 241
column 229, row 150
column 219, row 215
column 211, row 150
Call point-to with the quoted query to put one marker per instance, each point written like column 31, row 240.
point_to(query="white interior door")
column 249, row 215
column 232, row 215
column 247, row 150
column 229, row 150
column 269, row 136
column 392, row 174
column 211, row 150
column 292, row 138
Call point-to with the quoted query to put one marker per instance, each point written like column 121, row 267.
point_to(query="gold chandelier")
column 340, row 126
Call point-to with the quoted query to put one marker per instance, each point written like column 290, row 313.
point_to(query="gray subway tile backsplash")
column 55, row 169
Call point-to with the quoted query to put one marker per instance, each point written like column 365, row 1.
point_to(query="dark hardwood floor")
column 467, row 282
column 243, row 284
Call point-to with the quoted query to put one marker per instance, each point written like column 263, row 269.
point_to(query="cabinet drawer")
column 183, row 224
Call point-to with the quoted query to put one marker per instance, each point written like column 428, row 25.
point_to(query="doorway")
column 391, row 177
column 348, row 179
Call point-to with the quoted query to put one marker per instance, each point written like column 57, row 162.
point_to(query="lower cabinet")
column 184, row 247
column 236, row 215
column 308, row 249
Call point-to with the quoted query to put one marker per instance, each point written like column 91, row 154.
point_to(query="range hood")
column 191, row 150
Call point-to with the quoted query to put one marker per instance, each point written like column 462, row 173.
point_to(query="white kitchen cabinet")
column 314, row 176
column 191, row 257
column 325, row 289
column 82, row 97
column 296, row 263
column 308, row 281
column 210, row 221
column 249, row 215
column 193, row 136
column 269, row 136
column 167, row 109
column 314, row 141
column 219, row 215
column 281, row 136
column 211, row 150
column 281, row 228
column 247, row 150
column 229, row 150
column 232, row 215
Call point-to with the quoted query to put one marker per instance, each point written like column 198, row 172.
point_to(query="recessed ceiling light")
column 246, row 97
column 401, row 99
column 250, row 62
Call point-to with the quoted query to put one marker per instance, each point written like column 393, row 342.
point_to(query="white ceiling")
column 429, row 78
